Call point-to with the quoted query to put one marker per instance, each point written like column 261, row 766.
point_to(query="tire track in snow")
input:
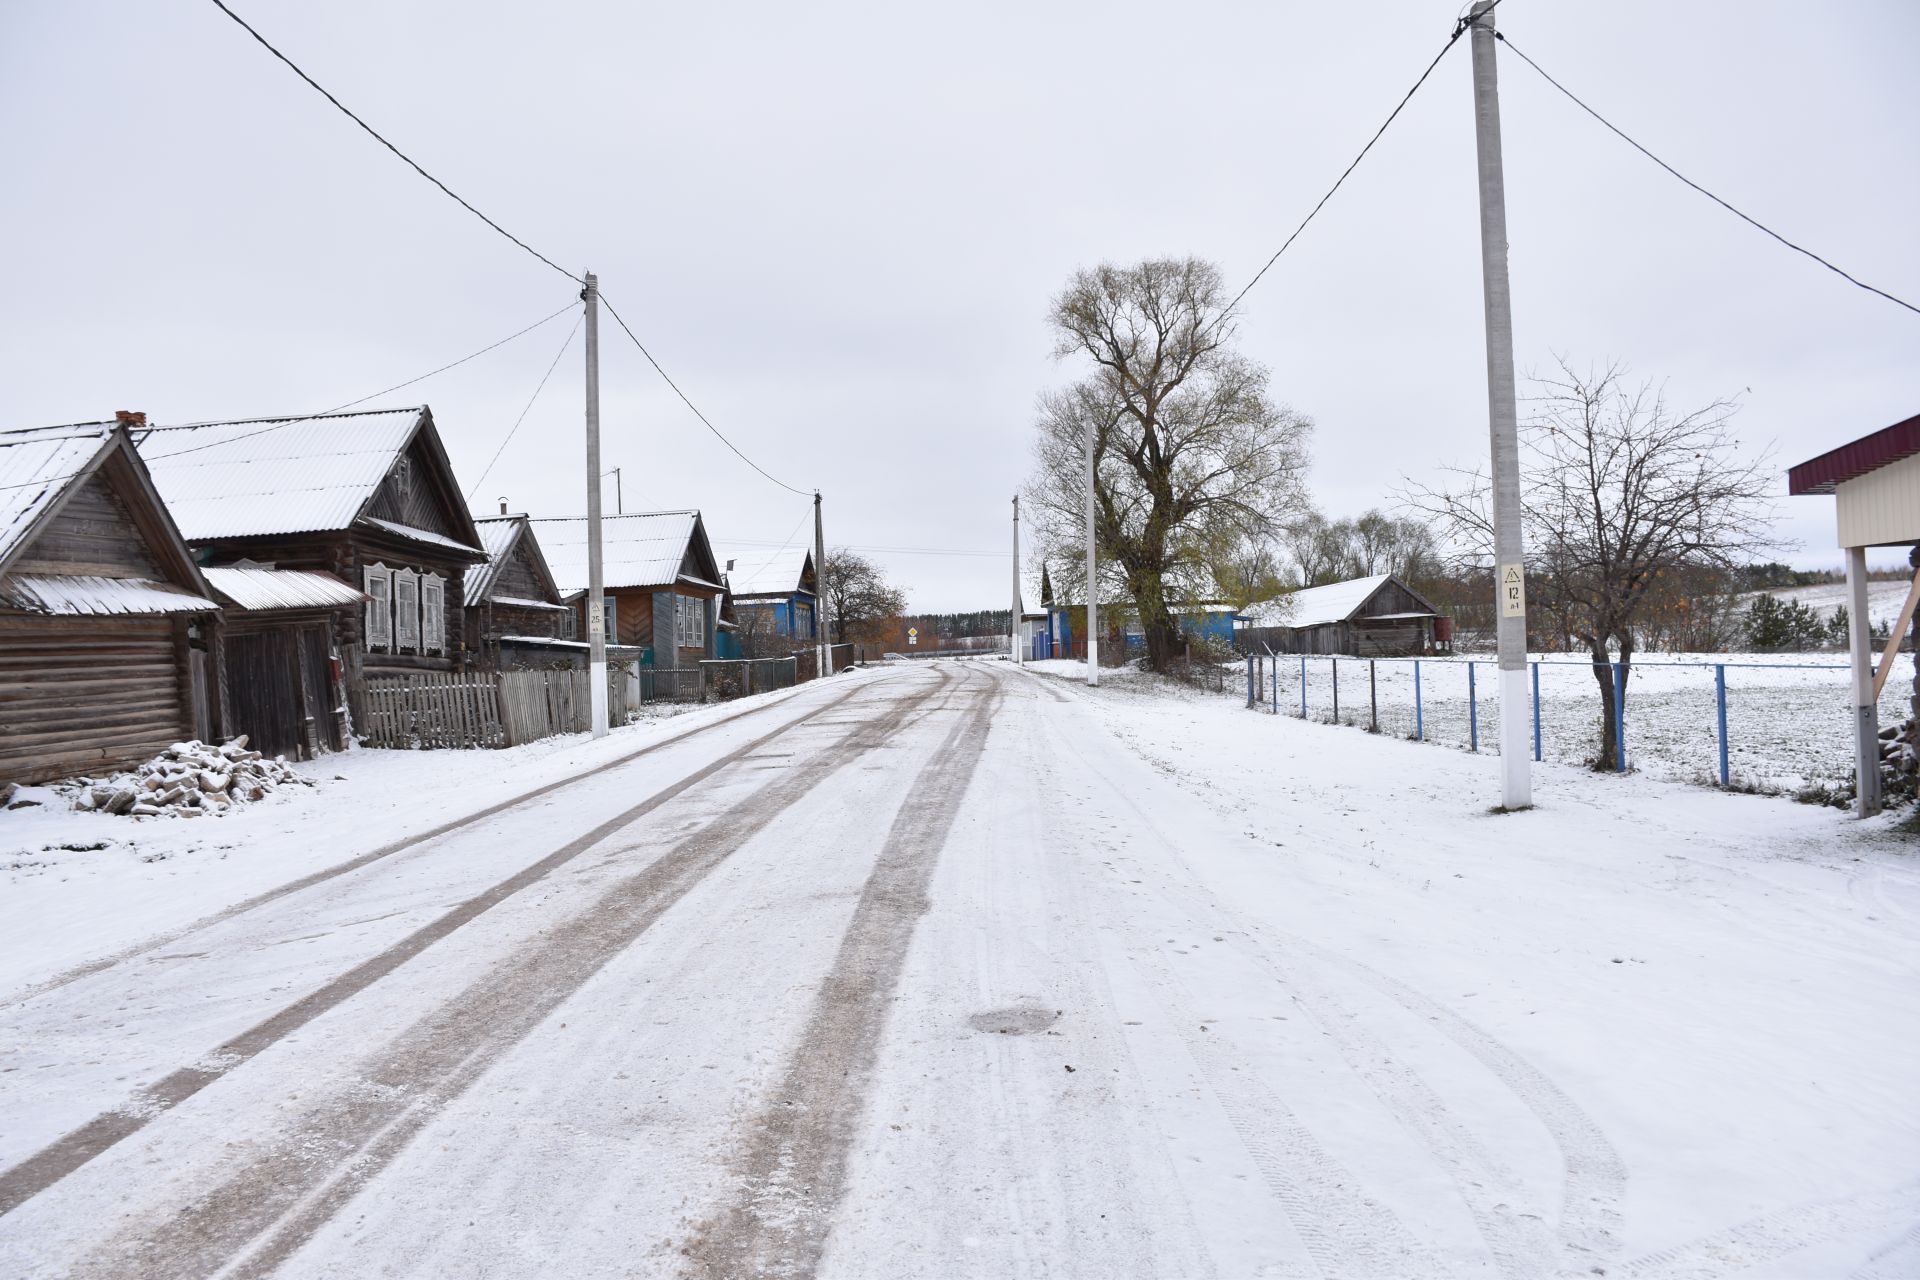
column 793, row 1169
column 1774, row 1235
column 68, row 976
column 65, row 1154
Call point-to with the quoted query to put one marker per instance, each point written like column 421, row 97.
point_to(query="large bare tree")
column 1622, row 495
column 1195, row 466
column 860, row 601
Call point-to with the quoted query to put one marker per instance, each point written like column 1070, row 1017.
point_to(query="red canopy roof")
column 1850, row 461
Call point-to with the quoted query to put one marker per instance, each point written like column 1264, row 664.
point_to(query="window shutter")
column 379, row 583
column 433, row 613
column 406, row 610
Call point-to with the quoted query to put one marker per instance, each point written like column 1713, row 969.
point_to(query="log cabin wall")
column 87, row 694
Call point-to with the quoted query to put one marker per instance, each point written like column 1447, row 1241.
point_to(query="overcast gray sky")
column 839, row 226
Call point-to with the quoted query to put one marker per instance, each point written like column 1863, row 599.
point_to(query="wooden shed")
column 367, row 497
column 661, row 581
column 104, row 616
column 280, row 679
column 1875, row 483
column 1373, row 617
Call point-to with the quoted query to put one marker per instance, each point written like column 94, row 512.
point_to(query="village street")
column 950, row 969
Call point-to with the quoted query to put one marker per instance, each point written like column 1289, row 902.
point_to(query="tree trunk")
column 1603, row 676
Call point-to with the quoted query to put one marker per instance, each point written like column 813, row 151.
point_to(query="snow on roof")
column 1315, row 606
column 496, row 539
column 36, row 466
column 641, row 550
column 415, row 534
column 274, row 475
column 521, row 602
column 257, row 587
column 86, row 594
column 764, row 573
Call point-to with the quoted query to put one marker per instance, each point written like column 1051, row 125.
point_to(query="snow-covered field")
column 1788, row 718
column 1884, row 598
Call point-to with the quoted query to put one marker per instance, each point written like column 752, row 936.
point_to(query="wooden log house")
column 1378, row 616
column 367, row 498
column 516, row 618
column 662, row 583
column 775, row 597
column 105, row 619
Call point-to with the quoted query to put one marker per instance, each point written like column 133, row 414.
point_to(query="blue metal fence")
column 1770, row 724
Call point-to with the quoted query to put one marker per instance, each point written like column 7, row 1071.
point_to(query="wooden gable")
column 419, row 489
column 523, row 572
column 1392, row 597
column 110, row 523
column 698, row 560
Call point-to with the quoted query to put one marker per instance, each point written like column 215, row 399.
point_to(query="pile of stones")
column 188, row 779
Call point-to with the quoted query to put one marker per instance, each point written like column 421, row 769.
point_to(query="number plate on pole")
column 1513, row 591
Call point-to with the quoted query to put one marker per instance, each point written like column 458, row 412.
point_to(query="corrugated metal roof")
column 274, row 475
column 254, row 587
column 36, row 465
column 762, row 573
column 521, row 602
column 417, row 535
column 496, row 538
column 1316, row 606
column 74, row 594
column 641, row 550
column 1850, row 461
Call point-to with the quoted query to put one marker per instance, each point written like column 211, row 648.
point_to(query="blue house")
column 1066, row 624
column 775, row 594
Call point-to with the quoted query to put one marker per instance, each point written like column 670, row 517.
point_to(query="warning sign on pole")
column 913, row 635
column 1513, row 591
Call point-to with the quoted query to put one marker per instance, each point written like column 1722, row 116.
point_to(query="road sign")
column 913, row 635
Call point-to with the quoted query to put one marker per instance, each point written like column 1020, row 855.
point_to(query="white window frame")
column 406, row 612
column 378, row 580
column 433, row 613
column 690, row 622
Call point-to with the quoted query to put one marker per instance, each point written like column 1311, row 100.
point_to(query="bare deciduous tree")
column 1621, row 496
column 1194, row 464
column 860, row 601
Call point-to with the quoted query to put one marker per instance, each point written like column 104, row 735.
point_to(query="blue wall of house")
column 792, row 616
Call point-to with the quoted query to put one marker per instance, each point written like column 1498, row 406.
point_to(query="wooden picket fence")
column 539, row 704
column 431, row 709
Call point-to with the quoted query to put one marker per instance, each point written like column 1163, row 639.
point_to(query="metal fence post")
column 1620, row 716
column 1336, row 691
column 1419, row 716
column 1373, row 699
column 1536, row 711
column 1473, row 711
column 1273, row 669
column 1303, row 686
column 1720, row 698
column 1250, row 682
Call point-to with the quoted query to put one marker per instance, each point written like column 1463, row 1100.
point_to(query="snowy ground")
column 959, row 970
column 1788, row 715
column 1884, row 597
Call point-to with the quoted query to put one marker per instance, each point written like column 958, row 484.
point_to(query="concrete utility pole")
column 619, row 499
column 1013, row 617
column 823, row 650
column 596, row 608
column 1509, row 569
column 1093, row 592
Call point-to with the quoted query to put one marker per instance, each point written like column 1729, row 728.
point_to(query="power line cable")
column 529, row 409
column 1460, row 27
column 282, row 423
column 375, row 135
column 1750, row 221
column 696, row 408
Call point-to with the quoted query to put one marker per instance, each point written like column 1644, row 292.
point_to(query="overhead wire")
column 1744, row 217
column 475, row 488
column 375, row 135
column 704, row 420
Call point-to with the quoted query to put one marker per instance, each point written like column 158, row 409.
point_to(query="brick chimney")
column 128, row 418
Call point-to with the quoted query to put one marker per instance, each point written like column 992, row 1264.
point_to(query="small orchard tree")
column 1619, row 492
column 861, row 603
column 1196, row 467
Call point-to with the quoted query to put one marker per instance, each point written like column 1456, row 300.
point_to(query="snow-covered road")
column 961, row 971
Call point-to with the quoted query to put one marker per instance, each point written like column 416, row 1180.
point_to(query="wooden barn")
column 279, row 674
column 662, row 584
column 775, row 596
column 104, row 617
column 368, row 498
column 1376, row 617
column 516, row 618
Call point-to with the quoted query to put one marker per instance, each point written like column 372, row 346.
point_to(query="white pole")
column 1013, row 617
column 1866, row 711
column 596, row 607
column 1510, row 592
column 1093, row 592
column 823, row 650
